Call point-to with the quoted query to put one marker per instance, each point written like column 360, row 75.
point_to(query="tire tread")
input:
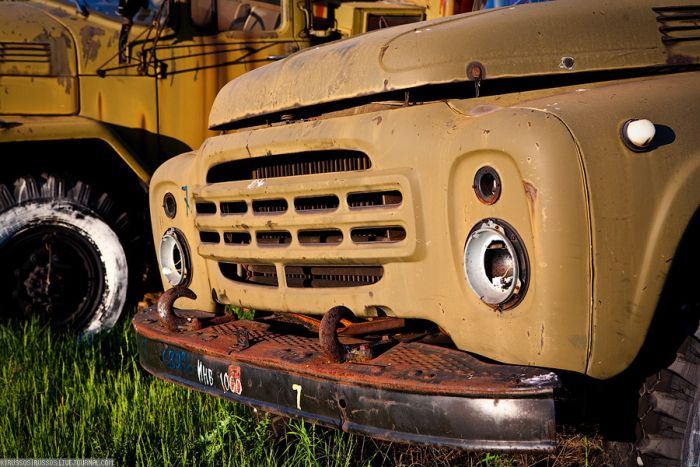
column 666, row 399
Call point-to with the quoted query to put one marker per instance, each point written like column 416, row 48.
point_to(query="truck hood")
column 558, row 37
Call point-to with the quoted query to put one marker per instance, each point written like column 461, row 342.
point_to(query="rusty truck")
column 93, row 96
column 441, row 225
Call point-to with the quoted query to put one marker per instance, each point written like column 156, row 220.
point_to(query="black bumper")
column 468, row 413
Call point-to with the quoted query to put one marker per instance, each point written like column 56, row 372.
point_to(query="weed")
column 241, row 312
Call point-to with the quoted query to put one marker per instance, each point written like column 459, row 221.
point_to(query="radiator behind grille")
column 289, row 165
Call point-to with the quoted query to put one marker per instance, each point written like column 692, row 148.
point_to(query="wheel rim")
column 56, row 274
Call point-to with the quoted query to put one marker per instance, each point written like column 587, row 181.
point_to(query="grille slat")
column 275, row 238
column 375, row 199
column 391, row 234
column 270, row 206
column 287, row 165
column 18, row 52
column 316, row 203
column 332, row 276
column 205, row 207
column 320, row 237
column 679, row 24
column 259, row 274
column 209, row 237
column 303, row 276
column 237, row 238
column 233, row 207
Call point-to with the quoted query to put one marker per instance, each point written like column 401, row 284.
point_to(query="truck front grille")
column 289, row 165
column 317, row 232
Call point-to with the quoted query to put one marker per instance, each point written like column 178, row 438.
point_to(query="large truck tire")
column 669, row 411
column 61, row 257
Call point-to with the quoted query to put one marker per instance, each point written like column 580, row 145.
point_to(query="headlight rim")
column 178, row 238
column 515, row 245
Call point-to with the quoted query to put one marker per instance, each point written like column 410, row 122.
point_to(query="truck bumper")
column 413, row 392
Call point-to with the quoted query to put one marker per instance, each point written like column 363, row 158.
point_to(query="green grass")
column 63, row 397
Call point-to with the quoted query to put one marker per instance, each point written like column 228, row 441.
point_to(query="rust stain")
column 530, row 192
column 679, row 59
column 531, row 195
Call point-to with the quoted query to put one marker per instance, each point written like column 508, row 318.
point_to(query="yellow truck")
column 91, row 101
column 442, row 226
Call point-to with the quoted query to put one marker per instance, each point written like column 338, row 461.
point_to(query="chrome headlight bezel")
column 490, row 241
column 174, row 257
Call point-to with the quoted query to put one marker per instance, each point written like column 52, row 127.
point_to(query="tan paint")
column 599, row 222
column 640, row 202
column 605, row 35
column 401, row 161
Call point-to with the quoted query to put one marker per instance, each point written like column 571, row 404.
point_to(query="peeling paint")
column 90, row 45
column 530, row 192
column 483, row 110
column 541, row 380
column 60, row 48
column 259, row 183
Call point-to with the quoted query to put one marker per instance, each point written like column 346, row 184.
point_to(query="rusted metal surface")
column 168, row 318
column 412, row 392
column 349, row 328
column 407, row 366
column 374, row 326
column 331, row 346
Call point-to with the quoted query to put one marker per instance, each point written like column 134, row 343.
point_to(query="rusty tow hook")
column 168, row 317
column 332, row 348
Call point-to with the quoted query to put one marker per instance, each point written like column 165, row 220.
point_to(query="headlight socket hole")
column 169, row 205
column 487, row 185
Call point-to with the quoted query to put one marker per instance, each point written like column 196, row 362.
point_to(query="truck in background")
column 91, row 101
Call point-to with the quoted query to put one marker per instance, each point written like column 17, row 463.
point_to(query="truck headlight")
column 496, row 264
column 175, row 257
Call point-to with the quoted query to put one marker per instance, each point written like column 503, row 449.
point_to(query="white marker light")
column 638, row 134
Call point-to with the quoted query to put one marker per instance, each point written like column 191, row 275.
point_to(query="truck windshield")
column 109, row 8
column 501, row 3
